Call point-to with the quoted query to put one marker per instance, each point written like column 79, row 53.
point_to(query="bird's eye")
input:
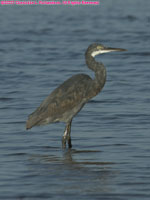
column 98, row 48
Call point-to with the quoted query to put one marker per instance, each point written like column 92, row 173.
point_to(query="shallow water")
column 40, row 47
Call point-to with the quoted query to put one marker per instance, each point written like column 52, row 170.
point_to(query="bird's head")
column 96, row 49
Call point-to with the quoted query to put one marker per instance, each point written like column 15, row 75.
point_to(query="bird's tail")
column 33, row 120
column 29, row 124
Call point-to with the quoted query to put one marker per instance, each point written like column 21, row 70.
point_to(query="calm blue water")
column 40, row 47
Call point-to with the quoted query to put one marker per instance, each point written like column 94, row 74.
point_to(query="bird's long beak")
column 109, row 49
column 106, row 50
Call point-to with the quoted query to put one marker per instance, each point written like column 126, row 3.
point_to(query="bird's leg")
column 64, row 138
column 67, row 136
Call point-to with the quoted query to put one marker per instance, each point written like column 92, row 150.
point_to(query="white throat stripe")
column 100, row 52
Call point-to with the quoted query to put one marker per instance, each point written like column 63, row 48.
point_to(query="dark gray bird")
column 69, row 98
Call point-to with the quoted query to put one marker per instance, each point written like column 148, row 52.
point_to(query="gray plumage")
column 69, row 98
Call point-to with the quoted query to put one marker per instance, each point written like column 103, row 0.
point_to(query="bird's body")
column 69, row 98
column 63, row 103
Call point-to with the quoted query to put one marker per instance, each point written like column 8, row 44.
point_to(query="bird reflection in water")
column 71, row 170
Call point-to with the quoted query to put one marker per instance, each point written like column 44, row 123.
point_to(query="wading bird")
column 69, row 98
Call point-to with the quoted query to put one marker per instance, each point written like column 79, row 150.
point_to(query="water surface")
column 40, row 47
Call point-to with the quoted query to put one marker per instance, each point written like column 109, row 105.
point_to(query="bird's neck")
column 100, row 73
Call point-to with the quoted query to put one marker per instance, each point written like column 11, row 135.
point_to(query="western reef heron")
column 69, row 98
